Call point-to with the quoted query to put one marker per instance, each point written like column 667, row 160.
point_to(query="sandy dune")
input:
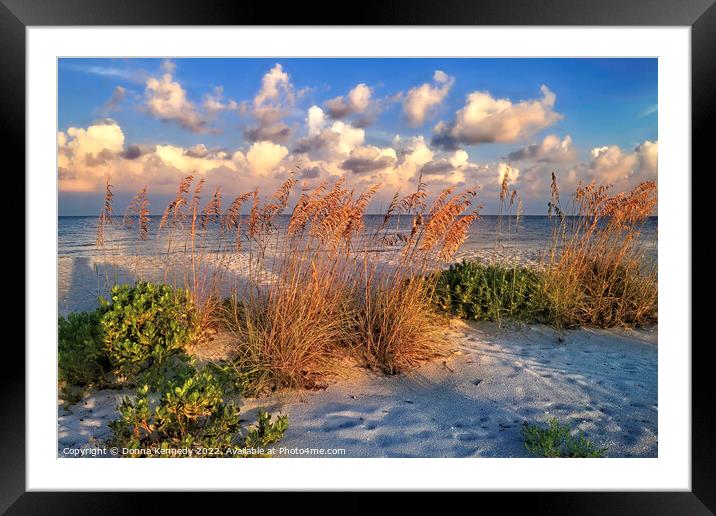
column 470, row 405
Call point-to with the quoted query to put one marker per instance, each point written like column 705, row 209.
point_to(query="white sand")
column 85, row 424
column 470, row 405
column 81, row 280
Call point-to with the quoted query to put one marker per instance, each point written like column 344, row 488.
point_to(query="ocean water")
column 531, row 234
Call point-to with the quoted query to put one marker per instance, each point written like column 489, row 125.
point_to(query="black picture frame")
column 17, row 15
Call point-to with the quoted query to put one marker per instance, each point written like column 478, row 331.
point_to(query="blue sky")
column 601, row 123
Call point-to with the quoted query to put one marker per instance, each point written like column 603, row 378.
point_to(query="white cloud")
column 214, row 102
column 504, row 169
column 422, row 100
column 126, row 74
column 168, row 66
column 197, row 151
column 358, row 100
column 413, row 153
column 455, row 168
column 104, row 135
column 624, row 169
column 263, row 157
column 550, row 150
column 369, row 159
column 315, row 121
column 609, row 164
column 338, row 149
column 654, row 108
column 86, row 156
column 274, row 84
column 648, row 153
column 167, row 100
column 270, row 105
column 333, row 143
column 485, row 119
column 278, row 132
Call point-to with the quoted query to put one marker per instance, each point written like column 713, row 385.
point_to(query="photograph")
column 424, row 248
column 357, row 257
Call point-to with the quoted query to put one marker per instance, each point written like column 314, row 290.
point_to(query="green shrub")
column 176, row 368
column 145, row 325
column 232, row 379
column 557, row 441
column 265, row 432
column 139, row 337
column 597, row 293
column 491, row 292
column 191, row 415
column 81, row 356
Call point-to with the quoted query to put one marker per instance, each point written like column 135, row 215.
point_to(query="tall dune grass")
column 597, row 273
column 325, row 293
column 317, row 290
column 324, row 287
column 397, row 327
column 595, row 270
column 289, row 319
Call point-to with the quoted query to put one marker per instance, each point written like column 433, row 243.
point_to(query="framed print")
column 439, row 249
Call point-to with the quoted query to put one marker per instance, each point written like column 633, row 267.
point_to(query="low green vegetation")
column 265, row 432
column 82, row 358
column 472, row 290
column 557, row 440
column 139, row 338
column 189, row 416
column 147, row 325
column 625, row 297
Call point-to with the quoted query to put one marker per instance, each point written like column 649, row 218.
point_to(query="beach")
column 471, row 404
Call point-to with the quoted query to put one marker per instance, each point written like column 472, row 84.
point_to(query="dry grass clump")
column 396, row 324
column 287, row 338
column 397, row 327
column 597, row 273
column 322, row 292
column 289, row 320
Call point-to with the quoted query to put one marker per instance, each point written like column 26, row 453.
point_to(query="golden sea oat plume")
column 175, row 208
column 138, row 209
column 105, row 216
column 212, row 211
